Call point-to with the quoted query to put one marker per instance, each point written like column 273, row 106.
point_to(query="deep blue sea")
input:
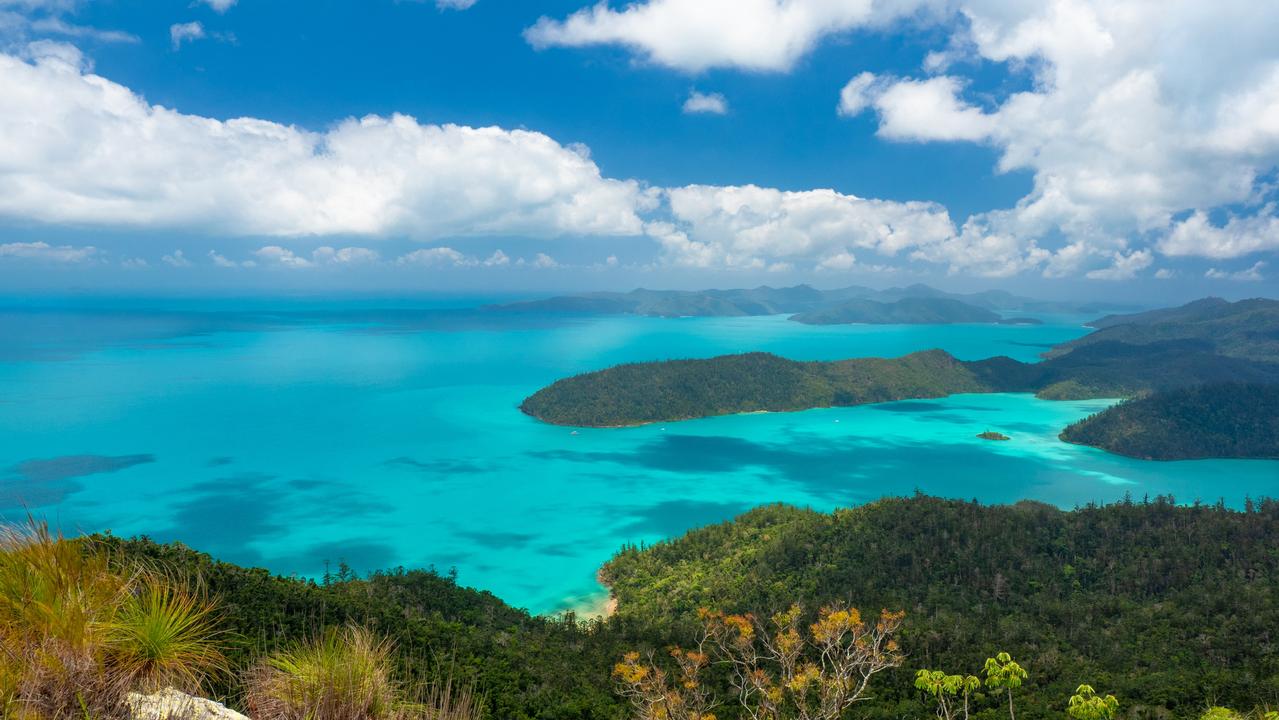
column 293, row 434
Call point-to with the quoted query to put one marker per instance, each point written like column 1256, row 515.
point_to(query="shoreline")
column 646, row 423
column 601, row 606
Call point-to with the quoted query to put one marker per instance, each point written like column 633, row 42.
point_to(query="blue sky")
column 341, row 58
column 1062, row 146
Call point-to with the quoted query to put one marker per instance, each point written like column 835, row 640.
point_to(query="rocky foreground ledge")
column 171, row 704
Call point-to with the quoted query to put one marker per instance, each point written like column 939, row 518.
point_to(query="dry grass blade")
column 446, row 701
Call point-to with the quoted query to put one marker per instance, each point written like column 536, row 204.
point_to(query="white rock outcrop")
column 171, row 704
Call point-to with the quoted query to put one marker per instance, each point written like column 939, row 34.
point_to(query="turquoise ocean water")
column 289, row 434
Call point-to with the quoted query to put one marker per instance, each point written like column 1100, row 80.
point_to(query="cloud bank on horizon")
column 1151, row 132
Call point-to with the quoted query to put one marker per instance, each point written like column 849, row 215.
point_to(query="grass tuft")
column 163, row 636
column 76, row 634
column 343, row 674
column 347, row 674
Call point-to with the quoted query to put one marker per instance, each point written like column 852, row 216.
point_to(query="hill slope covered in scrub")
column 1169, row 607
column 1208, row 421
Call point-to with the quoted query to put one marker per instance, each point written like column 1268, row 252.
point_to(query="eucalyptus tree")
column 778, row 669
column 1086, row 704
column 945, row 689
column 1003, row 673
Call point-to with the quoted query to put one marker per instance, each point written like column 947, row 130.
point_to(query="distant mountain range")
column 913, row 304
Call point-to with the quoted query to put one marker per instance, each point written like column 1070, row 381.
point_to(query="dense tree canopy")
column 1170, row 608
column 1214, row 421
column 1166, row 606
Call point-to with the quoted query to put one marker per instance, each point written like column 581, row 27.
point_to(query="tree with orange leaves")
column 655, row 696
column 778, row 669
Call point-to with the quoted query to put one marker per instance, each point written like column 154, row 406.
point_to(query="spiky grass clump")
column 163, row 636
column 56, row 602
column 343, row 674
column 78, row 634
column 52, row 589
column 347, row 674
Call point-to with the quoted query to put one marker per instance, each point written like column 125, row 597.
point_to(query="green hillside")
column 638, row 393
column 1212, row 421
column 1169, row 607
column 1246, row 329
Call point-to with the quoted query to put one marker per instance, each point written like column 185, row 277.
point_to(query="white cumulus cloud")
column 176, row 259
column 222, row 261
column 1252, row 274
column 81, row 149
column 1135, row 113
column 42, row 251
column 842, row 260
column 185, row 32
column 53, row 6
column 917, row 109
column 275, row 255
column 751, row 227
column 705, row 103
column 344, row 256
column 1197, row 235
column 1125, row 266
column 58, row 26
column 542, row 260
column 694, row 35
column 220, row 6
column 1122, row 130
column 433, row 256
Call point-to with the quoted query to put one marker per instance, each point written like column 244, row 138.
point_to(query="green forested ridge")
column 1171, row 608
column 638, row 393
column 1208, row 421
column 907, row 311
column 1246, row 329
column 1117, row 369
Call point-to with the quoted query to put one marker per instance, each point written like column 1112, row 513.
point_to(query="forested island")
column 640, row 393
column 671, row 390
column 907, row 311
column 1208, row 342
column 1168, row 607
column 1230, row 420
